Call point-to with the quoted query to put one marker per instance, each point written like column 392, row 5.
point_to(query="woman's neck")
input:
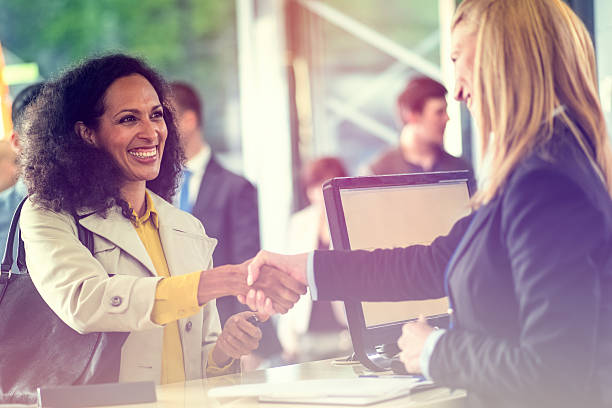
column 134, row 194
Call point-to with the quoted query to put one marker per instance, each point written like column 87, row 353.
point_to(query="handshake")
column 274, row 283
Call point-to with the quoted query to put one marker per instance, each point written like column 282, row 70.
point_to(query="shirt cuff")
column 176, row 297
column 213, row 370
column 428, row 348
column 310, row 276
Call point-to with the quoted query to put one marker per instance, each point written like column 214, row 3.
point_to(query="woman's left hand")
column 238, row 338
column 412, row 342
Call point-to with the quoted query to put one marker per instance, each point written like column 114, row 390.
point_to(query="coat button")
column 116, row 301
column 188, row 326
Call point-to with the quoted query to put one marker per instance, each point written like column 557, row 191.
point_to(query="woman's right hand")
column 265, row 262
column 282, row 290
column 228, row 280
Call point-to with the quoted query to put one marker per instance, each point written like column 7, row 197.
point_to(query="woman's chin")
column 141, row 177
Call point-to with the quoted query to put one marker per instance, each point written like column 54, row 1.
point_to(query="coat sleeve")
column 552, row 233
column 412, row 273
column 211, row 329
column 75, row 285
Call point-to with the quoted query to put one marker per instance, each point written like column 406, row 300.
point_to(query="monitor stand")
column 377, row 358
column 383, row 358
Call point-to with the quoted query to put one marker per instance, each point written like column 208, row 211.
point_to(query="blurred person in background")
column 8, row 168
column 422, row 111
column 224, row 202
column 313, row 330
column 12, row 188
column 102, row 145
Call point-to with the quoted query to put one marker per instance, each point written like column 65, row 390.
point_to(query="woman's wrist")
column 227, row 280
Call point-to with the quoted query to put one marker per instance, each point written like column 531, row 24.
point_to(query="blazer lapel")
column 207, row 186
column 167, row 235
column 119, row 230
column 479, row 220
column 174, row 224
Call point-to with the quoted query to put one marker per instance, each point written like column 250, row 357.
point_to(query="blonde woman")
column 529, row 273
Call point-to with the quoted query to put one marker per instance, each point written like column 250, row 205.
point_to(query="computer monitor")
column 386, row 212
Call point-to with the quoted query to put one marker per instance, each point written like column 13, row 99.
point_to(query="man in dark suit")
column 224, row 202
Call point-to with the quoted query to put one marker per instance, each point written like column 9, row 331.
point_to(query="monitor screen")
column 398, row 216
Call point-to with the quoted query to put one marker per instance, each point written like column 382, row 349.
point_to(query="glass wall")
column 191, row 40
column 351, row 59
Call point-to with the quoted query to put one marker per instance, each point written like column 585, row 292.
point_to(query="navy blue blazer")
column 227, row 207
column 529, row 276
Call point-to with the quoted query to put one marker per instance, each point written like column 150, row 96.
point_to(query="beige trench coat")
column 77, row 286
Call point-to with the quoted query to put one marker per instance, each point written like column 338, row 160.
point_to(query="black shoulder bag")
column 37, row 349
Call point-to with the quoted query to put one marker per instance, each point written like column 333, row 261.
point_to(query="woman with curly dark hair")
column 103, row 144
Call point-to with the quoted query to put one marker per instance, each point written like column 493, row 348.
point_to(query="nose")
column 458, row 91
column 150, row 130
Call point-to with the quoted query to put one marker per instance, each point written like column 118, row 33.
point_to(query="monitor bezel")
column 369, row 340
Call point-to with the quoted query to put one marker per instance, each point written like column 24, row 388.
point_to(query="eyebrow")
column 135, row 110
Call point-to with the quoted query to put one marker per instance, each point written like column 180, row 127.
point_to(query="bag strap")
column 7, row 260
column 85, row 236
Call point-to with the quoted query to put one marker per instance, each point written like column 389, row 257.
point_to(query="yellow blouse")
column 176, row 297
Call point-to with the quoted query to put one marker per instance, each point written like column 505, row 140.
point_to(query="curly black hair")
column 65, row 173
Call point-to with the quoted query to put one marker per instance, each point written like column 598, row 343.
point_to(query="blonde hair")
column 532, row 56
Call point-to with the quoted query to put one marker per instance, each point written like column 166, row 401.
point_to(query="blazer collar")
column 175, row 223
column 120, row 231
column 171, row 217
column 209, row 184
column 478, row 222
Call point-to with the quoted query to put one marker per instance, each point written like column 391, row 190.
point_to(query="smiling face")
column 132, row 128
column 463, row 51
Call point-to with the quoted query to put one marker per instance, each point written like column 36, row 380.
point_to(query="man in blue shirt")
column 225, row 203
column 12, row 193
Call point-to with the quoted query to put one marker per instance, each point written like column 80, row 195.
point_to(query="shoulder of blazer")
column 220, row 174
column 33, row 213
column 213, row 165
column 560, row 155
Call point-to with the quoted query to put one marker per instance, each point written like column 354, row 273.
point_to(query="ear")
column 407, row 116
column 14, row 140
column 87, row 134
column 412, row 116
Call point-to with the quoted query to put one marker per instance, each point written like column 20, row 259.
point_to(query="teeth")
column 144, row 154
